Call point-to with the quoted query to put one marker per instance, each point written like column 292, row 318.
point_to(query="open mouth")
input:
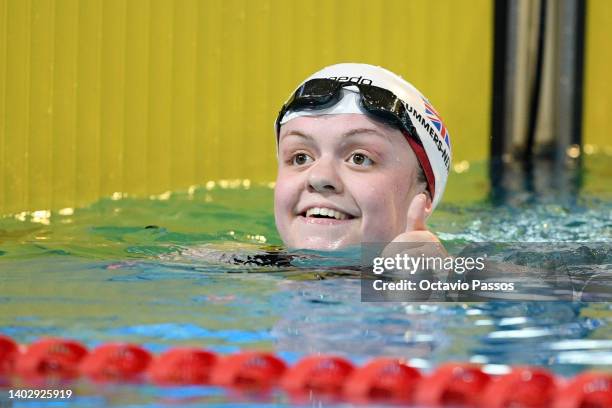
column 322, row 212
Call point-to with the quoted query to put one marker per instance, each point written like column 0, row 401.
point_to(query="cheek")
column 282, row 194
column 286, row 193
column 383, row 194
column 384, row 204
column 280, row 212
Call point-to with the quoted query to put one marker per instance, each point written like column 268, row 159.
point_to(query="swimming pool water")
column 154, row 271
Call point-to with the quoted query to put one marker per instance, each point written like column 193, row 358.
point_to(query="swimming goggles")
column 323, row 92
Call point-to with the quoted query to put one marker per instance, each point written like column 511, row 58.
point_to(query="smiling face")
column 342, row 180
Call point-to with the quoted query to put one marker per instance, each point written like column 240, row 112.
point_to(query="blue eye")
column 300, row 159
column 360, row 159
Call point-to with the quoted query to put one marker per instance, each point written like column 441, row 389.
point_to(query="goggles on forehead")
column 323, row 92
column 383, row 104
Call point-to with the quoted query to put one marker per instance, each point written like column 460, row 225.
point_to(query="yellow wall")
column 597, row 113
column 144, row 96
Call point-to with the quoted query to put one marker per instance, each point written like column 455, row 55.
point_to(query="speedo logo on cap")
column 355, row 79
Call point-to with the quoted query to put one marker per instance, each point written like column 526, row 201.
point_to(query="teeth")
column 326, row 212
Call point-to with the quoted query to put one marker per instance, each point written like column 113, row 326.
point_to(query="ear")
column 429, row 202
column 428, row 205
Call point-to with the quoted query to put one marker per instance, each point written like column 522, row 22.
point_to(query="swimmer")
column 362, row 157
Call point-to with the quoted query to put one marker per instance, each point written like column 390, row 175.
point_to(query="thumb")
column 417, row 213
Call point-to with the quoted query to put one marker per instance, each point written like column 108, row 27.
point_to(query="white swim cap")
column 434, row 149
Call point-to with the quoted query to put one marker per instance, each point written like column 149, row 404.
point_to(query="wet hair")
column 421, row 175
column 422, row 180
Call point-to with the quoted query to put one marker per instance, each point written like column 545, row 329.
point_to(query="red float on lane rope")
column 182, row 366
column 452, row 385
column 248, row 369
column 116, row 362
column 382, row 379
column 592, row 390
column 9, row 350
column 322, row 374
column 50, row 358
column 524, row 387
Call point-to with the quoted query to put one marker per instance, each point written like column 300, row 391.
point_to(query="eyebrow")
column 296, row 133
column 371, row 131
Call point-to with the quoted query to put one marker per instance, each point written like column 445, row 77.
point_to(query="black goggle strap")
column 393, row 108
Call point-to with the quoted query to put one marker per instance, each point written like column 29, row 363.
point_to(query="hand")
column 416, row 230
column 417, row 242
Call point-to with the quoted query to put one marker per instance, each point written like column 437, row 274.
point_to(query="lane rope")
column 324, row 377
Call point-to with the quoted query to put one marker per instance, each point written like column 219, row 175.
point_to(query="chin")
column 321, row 243
column 299, row 235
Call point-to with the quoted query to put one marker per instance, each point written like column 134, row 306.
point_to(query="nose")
column 323, row 178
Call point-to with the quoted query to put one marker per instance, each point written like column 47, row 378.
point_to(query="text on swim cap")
column 434, row 135
column 355, row 79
